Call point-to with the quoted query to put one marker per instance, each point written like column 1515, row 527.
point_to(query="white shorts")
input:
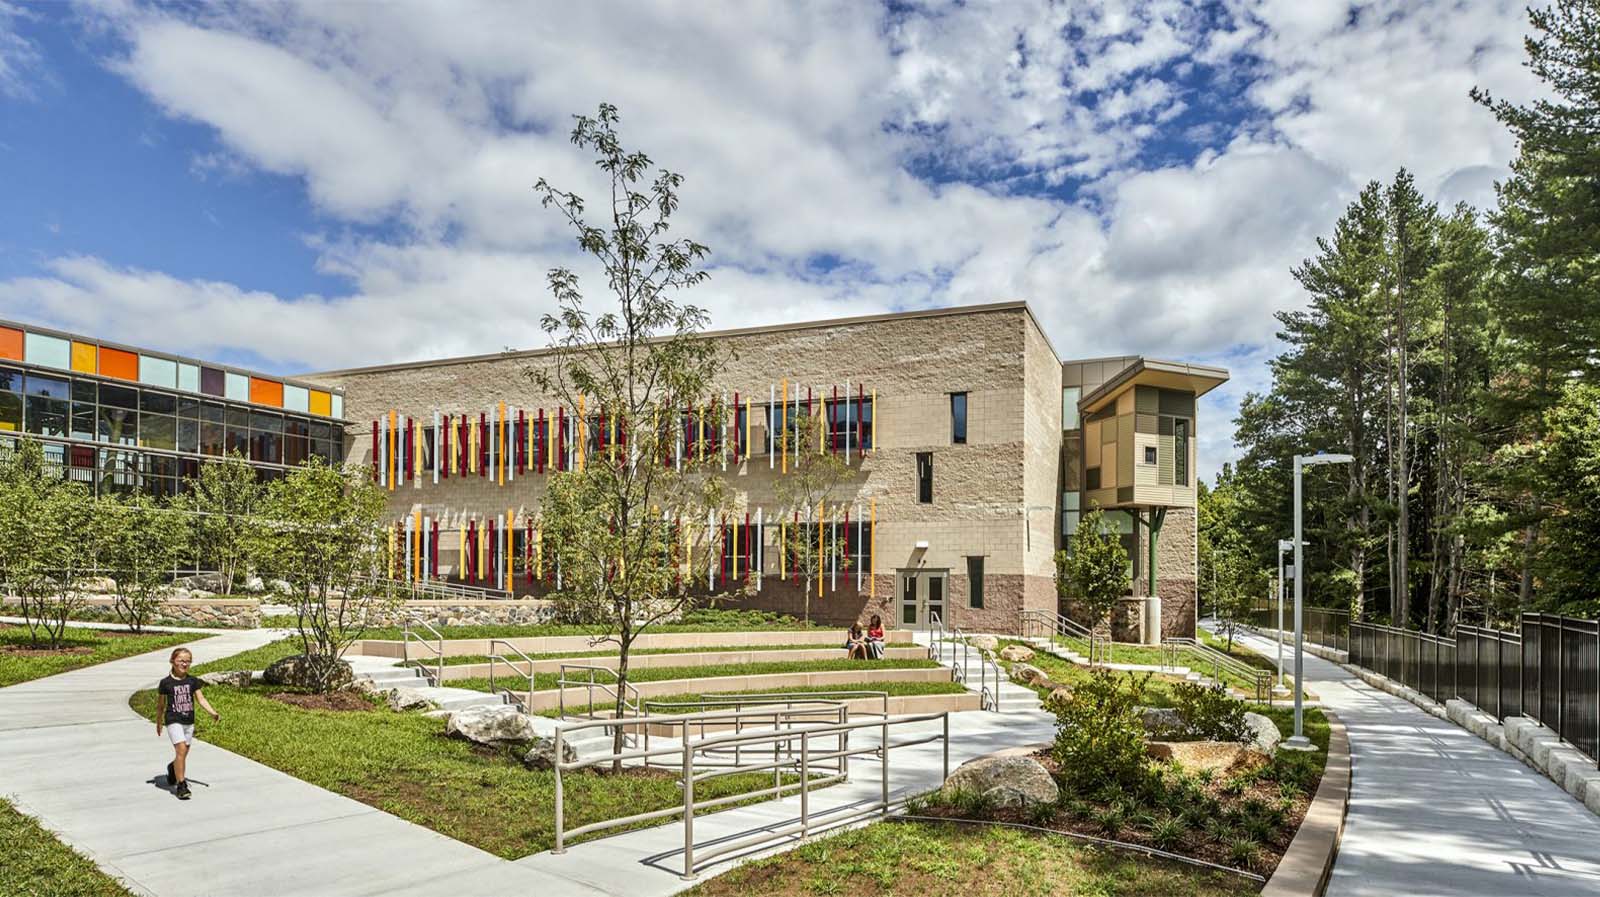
column 180, row 733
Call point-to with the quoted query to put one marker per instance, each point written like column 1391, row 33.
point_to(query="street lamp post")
column 1299, row 741
column 1283, row 546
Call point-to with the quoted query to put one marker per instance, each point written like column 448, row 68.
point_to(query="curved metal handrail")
column 589, row 684
column 1056, row 627
column 495, row 658
column 1218, row 662
column 437, row 650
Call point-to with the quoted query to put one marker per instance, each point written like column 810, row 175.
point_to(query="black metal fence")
column 1549, row 671
column 1322, row 625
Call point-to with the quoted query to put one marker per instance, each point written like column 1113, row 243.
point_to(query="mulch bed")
column 26, row 651
column 342, row 701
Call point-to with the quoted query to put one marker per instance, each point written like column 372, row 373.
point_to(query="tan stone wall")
column 1175, row 572
column 1041, row 467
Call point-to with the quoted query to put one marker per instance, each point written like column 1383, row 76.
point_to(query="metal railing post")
column 946, row 744
column 805, row 784
column 688, row 810
column 561, row 844
column 883, row 750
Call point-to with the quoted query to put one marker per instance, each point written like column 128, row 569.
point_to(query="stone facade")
column 221, row 613
column 996, row 497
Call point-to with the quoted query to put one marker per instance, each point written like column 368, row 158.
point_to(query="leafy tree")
column 623, row 525
column 324, row 537
column 813, row 478
column 71, row 539
column 226, row 499
column 1568, row 463
column 25, row 529
column 1094, row 572
column 142, row 543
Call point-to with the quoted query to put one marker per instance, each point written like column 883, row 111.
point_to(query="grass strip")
column 894, row 690
column 543, row 681
column 917, row 859
column 20, row 661
column 466, row 659
column 37, row 864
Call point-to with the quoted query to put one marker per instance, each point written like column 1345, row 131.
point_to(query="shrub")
column 1218, row 829
column 1168, row 832
column 1099, row 736
column 1042, row 814
column 1244, row 852
column 1209, row 713
column 971, row 804
column 1110, row 820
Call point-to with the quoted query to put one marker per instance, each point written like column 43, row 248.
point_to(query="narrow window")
column 958, row 418
column 1180, row 452
column 925, row 477
column 1149, row 454
column 975, row 582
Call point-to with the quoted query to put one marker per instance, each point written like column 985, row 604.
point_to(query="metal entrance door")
column 921, row 595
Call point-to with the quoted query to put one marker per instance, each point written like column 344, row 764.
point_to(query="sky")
column 310, row 185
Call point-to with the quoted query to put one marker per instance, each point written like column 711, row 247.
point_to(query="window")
column 845, row 420
column 1149, row 454
column 975, row 583
column 1180, row 452
column 1091, row 479
column 1069, row 407
column 958, row 418
column 10, row 400
column 925, row 477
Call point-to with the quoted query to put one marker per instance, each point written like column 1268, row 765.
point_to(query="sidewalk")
column 1434, row 810
column 76, row 757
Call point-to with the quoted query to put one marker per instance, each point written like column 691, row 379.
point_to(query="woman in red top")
column 875, row 638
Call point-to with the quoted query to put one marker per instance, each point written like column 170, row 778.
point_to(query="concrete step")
column 460, row 698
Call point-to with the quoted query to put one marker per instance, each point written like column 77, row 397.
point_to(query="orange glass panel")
column 84, row 360
column 321, row 403
column 266, row 392
column 119, row 364
column 10, row 344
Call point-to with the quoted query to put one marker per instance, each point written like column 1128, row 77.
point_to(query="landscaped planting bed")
column 920, row 859
column 21, row 660
column 34, row 863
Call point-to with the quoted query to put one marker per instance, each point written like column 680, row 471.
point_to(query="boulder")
column 253, row 584
column 492, row 724
column 542, row 753
column 305, row 671
column 1060, row 693
column 281, row 587
column 1016, row 653
column 983, row 642
column 99, row 584
column 1220, row 756
column 403, row 699
column 1027, row 674
column 364, row 686
column 1264, row 734
column 210, row 582
column 235, row 678
column 1008, row 781
column 1161, row 722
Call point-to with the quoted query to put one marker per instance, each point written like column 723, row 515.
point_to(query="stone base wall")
column 465, row 613
column 223, row 613
column 1003, row 599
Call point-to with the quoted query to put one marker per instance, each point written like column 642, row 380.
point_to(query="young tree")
column 226, row 499
column 142, row 543
column 813, row 478
column 322, row 534
column 71, row 540
column 25, row 529
column 623, row 522
column 1094, row 572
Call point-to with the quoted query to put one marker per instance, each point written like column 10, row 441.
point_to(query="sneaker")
column 183, row 791
column 172, row 777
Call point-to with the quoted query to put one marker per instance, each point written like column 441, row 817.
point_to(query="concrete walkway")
column 76, row 757
column 1434, row 810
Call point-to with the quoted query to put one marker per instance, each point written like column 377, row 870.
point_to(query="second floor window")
column 958, row 418
column 925, row 478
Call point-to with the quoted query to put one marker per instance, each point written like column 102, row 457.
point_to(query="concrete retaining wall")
column 565, row 644
column 550, row 699
column 688, row 659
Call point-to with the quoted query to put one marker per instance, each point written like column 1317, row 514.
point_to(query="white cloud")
column 932, row 152
column 19, row 57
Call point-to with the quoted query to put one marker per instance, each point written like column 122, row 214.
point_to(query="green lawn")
column 611, row 651
column 894, row 690
column 1147, row 655
column 543, row 681
column 694, row 621
column 20, row 661
column 919, row 859
column 36, row 864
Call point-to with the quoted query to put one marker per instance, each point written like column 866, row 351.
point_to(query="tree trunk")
column 624, row 643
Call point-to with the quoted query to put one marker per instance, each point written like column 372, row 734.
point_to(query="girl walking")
column 175, row 716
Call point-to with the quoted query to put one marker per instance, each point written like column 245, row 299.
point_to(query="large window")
column 925, row 478
column 958, row 418
column 10, row 400
column 48, row 408
column 975, row 582
column 1069, row 407
column 1180, row 452
column 849, row 423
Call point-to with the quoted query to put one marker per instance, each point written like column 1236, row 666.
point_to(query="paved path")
column 75, row 756
column 1434, row 810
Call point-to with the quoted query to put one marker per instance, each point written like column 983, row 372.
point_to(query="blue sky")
column 312, row 185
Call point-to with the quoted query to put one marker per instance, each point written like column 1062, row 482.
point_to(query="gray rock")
column 1016, row 653
column 1008, row 781
column 235, row 678
column 1027, row 674
column 364, row 686
column 1060, row 693
column 403, row 699
column 1264, row 734
column 99, row 584
column 210, row 582
column 983, row 642
column 199, row 594
column 438, row 714
column 1161, row 722
column 309, row 671
column 492, row 724
column 253, row 584
column 281, row 587
column 542, row 753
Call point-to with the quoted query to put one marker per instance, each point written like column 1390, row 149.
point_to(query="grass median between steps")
column 36, row 864
column 544, row 681
column 611, row 651
column 22, row 661
column 893, row 689
column 916, row 859
column 402, row 763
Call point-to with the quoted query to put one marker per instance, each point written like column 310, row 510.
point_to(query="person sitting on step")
column 875, row 638
column 855, row 642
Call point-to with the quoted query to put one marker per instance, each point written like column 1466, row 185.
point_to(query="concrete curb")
column 1308, row 862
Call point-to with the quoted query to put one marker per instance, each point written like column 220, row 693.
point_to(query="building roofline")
column 1142, row 364
column 718, row 334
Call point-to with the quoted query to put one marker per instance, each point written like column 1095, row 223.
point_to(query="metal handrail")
column 406, row 636
column 446, row 590
column 496, row 658
column 1074, row 635
column 988, row 698
column 590, row 685
column 1219, row 662
column 689, row 777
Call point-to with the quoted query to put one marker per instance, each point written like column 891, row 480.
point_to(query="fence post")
column 805, row 784
column 688, row 809
column 885, row 767
column 1561, row 679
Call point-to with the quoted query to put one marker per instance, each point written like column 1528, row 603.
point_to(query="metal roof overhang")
column 1196, row 378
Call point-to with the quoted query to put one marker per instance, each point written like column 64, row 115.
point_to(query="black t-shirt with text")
column 180, row 698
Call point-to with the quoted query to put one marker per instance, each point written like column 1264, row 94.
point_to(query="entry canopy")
column 1196, row 378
